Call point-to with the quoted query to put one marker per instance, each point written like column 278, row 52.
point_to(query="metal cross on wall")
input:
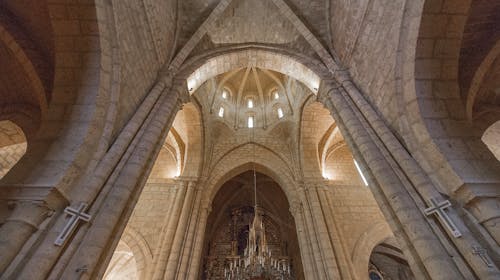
column 76, row 215
column 438, row 209
column 481, row 252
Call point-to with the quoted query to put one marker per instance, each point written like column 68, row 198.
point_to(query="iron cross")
column 438, row 209
column 76, row 215
column 481, row 252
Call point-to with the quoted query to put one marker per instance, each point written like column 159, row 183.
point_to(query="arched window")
column 280, row 113
column 276, row 95
column 250, row 103
column 224, row 93
column 221, row 112
column 250, row 121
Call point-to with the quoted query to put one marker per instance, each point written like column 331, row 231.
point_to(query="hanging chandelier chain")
column 257, row 259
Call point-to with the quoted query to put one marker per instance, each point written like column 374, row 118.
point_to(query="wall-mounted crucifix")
column 481, row 252
column 438, row 209
column 76, row 215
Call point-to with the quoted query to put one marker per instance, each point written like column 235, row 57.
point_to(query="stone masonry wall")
column 9, row 156
column 365, row 35
column 145, row 33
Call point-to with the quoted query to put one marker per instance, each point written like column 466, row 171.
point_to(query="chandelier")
column 257, row 261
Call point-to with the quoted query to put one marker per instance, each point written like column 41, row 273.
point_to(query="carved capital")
column 342, row 76
column 29, row 212
column 295, row 208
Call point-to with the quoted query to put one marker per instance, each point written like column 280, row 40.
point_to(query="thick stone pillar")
column 186, row 259
column 180, row 233
column 402, row 185
column 306, row 252
column 431, row 252
column 343, row 262
column 127, row 182
column 318, row 219
column 93, row 188
column 482, row 199
column 196, row 257
column 418, row 181
column 160, row 257
column 19, row 227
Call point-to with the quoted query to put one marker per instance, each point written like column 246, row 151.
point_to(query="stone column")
column 326, row 250
column 93, row 188
column 417, row 181
column 128, row 183
column 163, row 251
column 186, row 260
column 175, row 252
column 196, row 255
column 343, row 262
column 431, row 252
column 304, row 244
column 18, row 228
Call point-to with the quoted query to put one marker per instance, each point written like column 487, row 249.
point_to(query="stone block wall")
column 151, row 210
column 145, row 36
column 10, row 155
column 365, row 35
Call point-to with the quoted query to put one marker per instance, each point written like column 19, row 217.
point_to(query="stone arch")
column 19, row 58
column 432, row 114
column 188, row 125
column 142, row 254
column 325, row 143
column 479, row 77
column 212, row 65
column 73, row 125
column 140, row 248
column 236, row 161
column 123, row 264
column 339, row 165
column 315, row 122
column 360, row 255
column 169, row 161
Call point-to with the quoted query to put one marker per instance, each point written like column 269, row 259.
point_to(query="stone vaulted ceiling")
column 253, row 21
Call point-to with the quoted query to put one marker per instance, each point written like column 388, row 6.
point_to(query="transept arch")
column 71, row 141
column 232, row 208
column 434, row 121
column 361, row 252
column 131, row 242
column 316, row 121
column 237, row 161
column 204, row 67
column 188, row 126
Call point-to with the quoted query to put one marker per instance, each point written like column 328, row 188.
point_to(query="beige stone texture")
column 117, row 104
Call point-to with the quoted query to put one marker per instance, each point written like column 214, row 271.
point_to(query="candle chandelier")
column 257, row 262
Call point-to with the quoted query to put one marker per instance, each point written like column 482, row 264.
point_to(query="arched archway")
column 388, row 262
column 232, row 214
column 261, row 58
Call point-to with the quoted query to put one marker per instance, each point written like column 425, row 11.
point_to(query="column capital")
column 31, row 212
column 342, row 76
column 295, row 207
column 469, row 192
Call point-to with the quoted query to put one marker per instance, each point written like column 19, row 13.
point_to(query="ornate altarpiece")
column 230, row 239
